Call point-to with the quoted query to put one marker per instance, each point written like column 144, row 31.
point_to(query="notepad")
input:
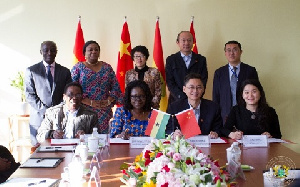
column 69, row 148
column 42, row 162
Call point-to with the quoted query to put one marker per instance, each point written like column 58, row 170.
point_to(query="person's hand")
column 213, row 135
column 4, row 164
column 58, row 134
column 237, row 135
column 268, row 134
column 79, row 132
column 124, row 135
column 177, row 133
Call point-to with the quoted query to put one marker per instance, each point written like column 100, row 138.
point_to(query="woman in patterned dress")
column 132, row 118
column 101, row 89
column 150, row 75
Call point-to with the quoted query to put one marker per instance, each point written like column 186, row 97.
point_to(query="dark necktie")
column 233, row 83
column 49, row 75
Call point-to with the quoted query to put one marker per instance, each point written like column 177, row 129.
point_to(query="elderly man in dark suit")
column 180, row 64
column 44, row 86
column 227, row 79
column 207, row 112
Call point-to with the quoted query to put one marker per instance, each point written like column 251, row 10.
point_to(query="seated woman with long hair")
column 252, row 115
column 132, row 118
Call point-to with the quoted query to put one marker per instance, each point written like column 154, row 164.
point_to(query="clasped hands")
column 59, row 134
column 101, row 103
column 124, row 135
column 237, row 135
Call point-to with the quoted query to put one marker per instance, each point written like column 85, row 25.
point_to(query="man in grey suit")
column 228, row 78
column 44, row 86
column 180, row 64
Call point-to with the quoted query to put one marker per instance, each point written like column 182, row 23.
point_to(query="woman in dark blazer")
column 252, row 115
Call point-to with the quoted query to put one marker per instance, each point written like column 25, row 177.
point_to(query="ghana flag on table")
column 157, row 124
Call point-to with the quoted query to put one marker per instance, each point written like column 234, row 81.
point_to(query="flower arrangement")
column 173, row 163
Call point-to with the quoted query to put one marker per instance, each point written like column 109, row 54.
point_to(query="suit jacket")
column 55, row 118
column 209, row 120
column 176, row 71
column 221, row 86
column 152, row 78
column 38, row 92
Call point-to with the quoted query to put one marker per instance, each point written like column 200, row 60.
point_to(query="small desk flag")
column 188, row 123
column 157, row 124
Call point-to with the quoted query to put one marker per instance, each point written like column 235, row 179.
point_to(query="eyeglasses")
column 195, row 88
column 138, row 57
column 70, row 95
column 138, row 97
column 234, row 50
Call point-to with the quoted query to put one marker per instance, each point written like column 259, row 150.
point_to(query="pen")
column 53, row 147
column 39, row 160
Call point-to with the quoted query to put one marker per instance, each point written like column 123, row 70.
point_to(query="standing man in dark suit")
column 207, row 112
column 44, row 86
column 180, row 64
column 228, row 78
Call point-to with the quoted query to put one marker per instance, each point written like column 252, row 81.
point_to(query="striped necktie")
column 233, row 83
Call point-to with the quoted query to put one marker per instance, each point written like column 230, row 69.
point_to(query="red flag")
column 188, row 123
column 192, row 31
column 158, row 62
column 124, row 58
column 79, row 43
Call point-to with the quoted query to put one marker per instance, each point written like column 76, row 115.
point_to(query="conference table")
column 119, row 153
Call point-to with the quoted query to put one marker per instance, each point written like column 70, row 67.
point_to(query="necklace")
column 92, row 63
column 253, row 115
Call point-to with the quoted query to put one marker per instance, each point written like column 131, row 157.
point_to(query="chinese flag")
column 79, row 43
column 157, row 124
column 194, row 49
column 158, row 62
column 124, row 58
column 188, row 123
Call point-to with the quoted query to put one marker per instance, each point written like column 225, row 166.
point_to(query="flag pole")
column 192, row 18
column 125, row 19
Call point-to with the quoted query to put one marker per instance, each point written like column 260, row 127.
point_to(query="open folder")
column 42, row 162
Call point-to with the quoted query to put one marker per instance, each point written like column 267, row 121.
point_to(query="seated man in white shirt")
column 69, row 119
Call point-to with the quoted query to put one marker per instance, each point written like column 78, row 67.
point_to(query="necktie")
column 233, row 83
column 49, row 75
column 187, row 61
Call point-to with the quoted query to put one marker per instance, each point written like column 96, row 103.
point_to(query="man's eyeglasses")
column 234, row 50
column 70, row 95
column 138, row 97
column 195, row 88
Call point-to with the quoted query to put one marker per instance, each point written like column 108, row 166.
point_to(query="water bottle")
column 93, row 141
column 95, row 132
column 236, row 153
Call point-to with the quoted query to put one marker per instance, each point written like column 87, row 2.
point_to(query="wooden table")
column 119, row 153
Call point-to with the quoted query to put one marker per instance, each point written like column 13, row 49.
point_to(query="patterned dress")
column 123, row 120
column 99, row 86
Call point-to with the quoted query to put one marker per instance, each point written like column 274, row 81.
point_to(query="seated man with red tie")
column 207, row 113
